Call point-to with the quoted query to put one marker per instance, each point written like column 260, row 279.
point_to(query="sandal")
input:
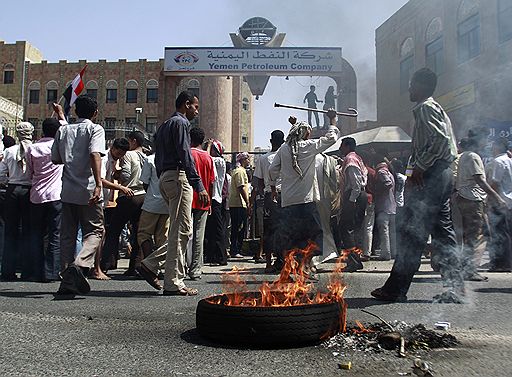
column 185, row 291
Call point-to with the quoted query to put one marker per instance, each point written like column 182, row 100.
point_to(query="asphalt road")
column 124, row 327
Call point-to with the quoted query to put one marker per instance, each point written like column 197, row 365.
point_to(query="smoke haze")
column 132, row 30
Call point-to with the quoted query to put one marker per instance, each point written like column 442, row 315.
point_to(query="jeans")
column 199, row 218
column 500, row 246
column 316, row 118
column 238, row 226
column 366, row 230
column 17, row 233
column 45, row 221
column 215, row 251
column 352, row 218
column 384, row 226
column 427, row 212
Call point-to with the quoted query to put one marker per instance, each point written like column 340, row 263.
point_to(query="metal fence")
column 113, row 129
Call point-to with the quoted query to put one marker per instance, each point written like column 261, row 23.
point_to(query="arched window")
column 406, row 63
column 111, row 95
column 468, row 30
column 152, row 91
column 52, row 88
column 92, row 89
column 132, row 91
column 434, row 55
column 9, row 73
column 34, row 88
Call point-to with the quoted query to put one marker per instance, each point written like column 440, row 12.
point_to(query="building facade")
column 468, row 43
column 129, row 94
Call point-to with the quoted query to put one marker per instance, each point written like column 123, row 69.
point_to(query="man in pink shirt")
column 45, row 205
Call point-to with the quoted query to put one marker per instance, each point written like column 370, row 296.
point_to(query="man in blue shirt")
column 178, row 177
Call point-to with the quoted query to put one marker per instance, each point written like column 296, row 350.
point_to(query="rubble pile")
column 400, row 336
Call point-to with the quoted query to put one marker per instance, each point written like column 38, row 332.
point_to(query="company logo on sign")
column 186, row 59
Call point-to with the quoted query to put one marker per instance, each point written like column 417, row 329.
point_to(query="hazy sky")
column 112, row 29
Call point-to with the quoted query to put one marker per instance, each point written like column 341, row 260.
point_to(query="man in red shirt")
column 204, row 167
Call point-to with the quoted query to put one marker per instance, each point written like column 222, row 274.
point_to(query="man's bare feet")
column 98, row 275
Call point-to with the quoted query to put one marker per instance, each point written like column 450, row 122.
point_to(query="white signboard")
column 300, row 61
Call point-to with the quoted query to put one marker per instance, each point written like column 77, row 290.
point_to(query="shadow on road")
column 427, row 280
column 113, row 294
column 494, row 290
column 389, row 271
column 192, row 336
column 365, row 302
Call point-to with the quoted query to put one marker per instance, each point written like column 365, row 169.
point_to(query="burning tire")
column 267, row 326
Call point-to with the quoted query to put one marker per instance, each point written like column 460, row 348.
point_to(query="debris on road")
column 421, row 368
column 345, row 366
column 377, row 338
column 442, row 325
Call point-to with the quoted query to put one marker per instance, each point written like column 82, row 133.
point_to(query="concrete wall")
column 488, row 75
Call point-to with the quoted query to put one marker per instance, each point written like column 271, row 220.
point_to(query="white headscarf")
column 24, row 132
column 297, row 133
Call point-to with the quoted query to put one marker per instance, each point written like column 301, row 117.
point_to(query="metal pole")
column 352, row 114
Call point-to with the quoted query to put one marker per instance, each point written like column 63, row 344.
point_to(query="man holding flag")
column 79, row 147
column 73, row 91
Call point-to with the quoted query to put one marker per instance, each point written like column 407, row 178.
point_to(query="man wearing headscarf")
column 294, row 162
column 239, row 203
column 16, row 207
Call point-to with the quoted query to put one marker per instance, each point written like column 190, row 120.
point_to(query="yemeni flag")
column 73, row 91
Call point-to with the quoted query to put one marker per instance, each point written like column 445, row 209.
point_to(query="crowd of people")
column 69, row 201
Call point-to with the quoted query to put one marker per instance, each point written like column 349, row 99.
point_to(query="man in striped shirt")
column 427, row 201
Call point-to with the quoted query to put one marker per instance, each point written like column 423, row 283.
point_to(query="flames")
column 293, row 287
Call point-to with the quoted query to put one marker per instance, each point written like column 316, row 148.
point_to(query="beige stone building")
column 128, row 93
column 468, row 43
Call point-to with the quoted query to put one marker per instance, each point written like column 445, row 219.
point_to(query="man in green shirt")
column 427, row 202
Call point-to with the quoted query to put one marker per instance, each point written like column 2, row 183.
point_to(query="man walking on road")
column 178, row 177
column 427, row 202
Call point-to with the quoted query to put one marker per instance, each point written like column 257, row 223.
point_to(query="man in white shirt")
column 128, row 207
column 272, row 201
column 472, row 193
column 294, row 162
column 17, row 206
column 500, row 218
